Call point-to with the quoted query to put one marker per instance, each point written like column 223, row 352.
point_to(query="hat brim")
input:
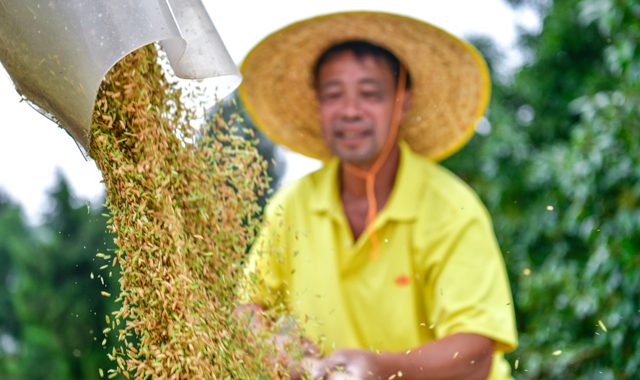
column 450, row 81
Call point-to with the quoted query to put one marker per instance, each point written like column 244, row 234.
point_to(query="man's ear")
column 406, row 104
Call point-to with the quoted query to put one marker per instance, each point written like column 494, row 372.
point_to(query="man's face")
column 357, row 97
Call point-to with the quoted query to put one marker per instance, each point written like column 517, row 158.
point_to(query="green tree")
column 13, row 237
column 55, row 311
column 560, row 174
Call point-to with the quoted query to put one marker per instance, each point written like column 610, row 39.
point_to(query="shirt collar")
column 402, row 203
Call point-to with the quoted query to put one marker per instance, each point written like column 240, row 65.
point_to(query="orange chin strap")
column 370, row 175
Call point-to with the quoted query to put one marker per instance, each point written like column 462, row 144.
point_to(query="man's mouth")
column 352, row 134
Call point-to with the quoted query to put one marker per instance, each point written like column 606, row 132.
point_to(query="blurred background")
column 557, row 163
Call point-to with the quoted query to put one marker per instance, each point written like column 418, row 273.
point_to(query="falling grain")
column 184, row 214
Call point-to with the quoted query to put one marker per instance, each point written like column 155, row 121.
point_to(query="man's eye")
column 371, row 94
column 331, row 95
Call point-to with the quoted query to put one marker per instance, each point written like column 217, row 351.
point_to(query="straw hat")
column 450, row 81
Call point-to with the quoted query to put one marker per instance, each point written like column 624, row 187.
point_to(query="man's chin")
column 357, row 159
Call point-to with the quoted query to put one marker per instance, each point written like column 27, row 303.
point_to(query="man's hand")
column 252, row 314
column 455, row 357
column 306, row 346
column 361, row 364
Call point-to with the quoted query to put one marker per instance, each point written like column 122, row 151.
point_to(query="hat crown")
column 451, row 84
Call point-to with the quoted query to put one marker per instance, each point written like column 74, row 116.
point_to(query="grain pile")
column 184, row 212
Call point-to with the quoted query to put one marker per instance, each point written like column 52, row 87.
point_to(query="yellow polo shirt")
column 439, row 270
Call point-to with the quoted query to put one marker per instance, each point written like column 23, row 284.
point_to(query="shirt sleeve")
column 263, row 279
column 466, row 286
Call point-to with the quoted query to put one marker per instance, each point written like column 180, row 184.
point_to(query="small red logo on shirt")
column 403, row 280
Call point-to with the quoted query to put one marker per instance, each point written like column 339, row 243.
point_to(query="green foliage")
column 49, row 305
column 560, row 174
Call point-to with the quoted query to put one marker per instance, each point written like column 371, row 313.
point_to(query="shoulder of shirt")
column 448, row 192
column 297, row 192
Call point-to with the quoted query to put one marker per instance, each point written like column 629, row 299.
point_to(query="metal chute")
column 57, row 52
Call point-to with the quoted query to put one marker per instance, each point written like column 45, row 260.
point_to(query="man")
column 388, row 261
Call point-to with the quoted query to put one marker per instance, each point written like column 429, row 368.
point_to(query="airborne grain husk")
column 184, row 214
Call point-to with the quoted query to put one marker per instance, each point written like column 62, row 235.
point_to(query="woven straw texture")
column 450, row 81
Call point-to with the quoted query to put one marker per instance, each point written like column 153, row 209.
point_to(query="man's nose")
column 351, row 109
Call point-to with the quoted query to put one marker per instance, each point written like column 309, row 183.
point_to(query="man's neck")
column 353, row 186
